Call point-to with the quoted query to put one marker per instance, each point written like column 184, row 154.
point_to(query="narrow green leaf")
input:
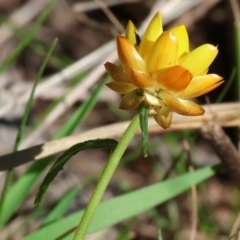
column 126, row 206
column 61, row 206
column 30, row 100
column 26, row 40
column 144, row 110
column 58, row 165
column 21, row 128
column 18, row 192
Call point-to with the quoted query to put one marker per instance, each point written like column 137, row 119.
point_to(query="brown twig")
column 110, row 16
column 228, row 115
column 224, row 148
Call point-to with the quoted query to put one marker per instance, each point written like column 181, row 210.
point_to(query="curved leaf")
column 58, row 165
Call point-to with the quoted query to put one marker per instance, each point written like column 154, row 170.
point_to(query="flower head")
column 160, row 71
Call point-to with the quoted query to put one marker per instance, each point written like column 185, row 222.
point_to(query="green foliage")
column 20, row 132
column 128, row 205
column 58, row 166
column 28, row 37
column 61, row 207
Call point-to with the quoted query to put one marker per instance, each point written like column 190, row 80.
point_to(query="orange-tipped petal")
column 199, row 59
column 139, row 79
column 130, row 101
column 151, row 34
column 173, row 79
column 164, row 117
column 121, row 87
column 163, row 53
column 193, row 108
column 180, row 32
column 210, row 88
column 128, row 55
column 173, row 103
column 201, row 85
column 116, row 73
column 130, row 33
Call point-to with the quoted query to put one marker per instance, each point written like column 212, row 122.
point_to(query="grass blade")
column 26, row 40
column 128, row 205
column 18, row 192
column 30, row 100
column 22, row 126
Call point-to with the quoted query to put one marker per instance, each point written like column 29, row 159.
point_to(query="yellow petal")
column 121, row 87
column 131, row 100
column 164, row 117
column 181, row 34
column 173, row 79
column 201, row 85
column 153, row 31
column 151, row 100
column 130, row 33
column 163, row 53
column 116, row 73
column 128, row 55
column 139, row 79
column 193, row 108
column 173, row 103
column 199, row 59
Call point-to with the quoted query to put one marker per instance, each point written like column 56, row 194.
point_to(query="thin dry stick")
column 224, row 148
column 227, row 114
column 110, row 16
column 236, row 226
column 65, row 75
column 89, row 6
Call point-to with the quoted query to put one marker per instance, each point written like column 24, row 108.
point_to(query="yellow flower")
column 160, row 71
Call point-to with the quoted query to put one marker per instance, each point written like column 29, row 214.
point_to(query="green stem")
column 106, row 177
